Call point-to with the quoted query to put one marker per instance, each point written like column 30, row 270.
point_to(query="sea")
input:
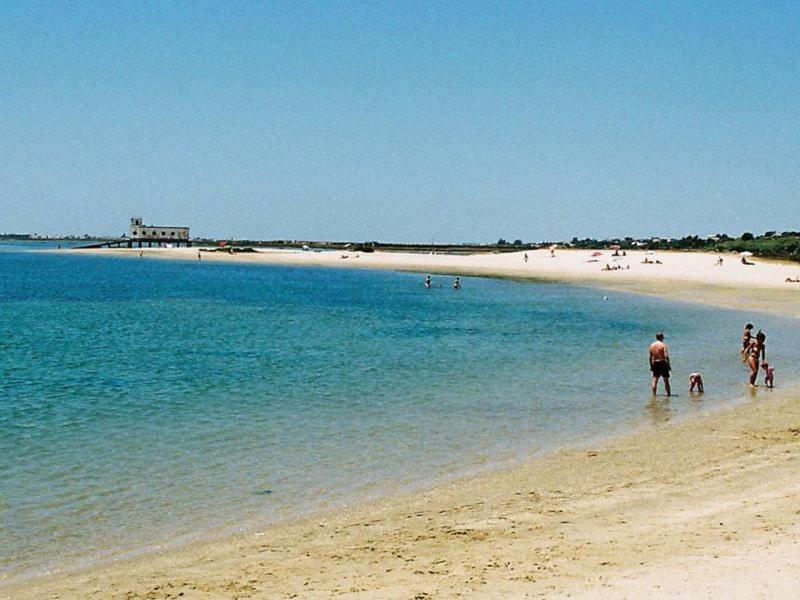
column 147, row 403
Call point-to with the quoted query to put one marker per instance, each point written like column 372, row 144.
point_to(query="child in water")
column 695, row 381
column 769, row 374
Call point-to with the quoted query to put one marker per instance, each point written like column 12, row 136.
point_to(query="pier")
column 139, row 243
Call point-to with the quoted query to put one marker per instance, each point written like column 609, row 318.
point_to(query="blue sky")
column 401, row 121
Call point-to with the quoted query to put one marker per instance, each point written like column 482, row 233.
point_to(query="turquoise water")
column 147, row 401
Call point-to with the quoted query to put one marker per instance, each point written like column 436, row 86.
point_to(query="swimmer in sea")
column 457, row 283
column 427, row 282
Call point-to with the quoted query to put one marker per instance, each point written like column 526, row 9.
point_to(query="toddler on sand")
column 695, row 381
column 769, row 374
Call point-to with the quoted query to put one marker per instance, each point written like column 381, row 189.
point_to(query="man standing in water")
column 659, row 362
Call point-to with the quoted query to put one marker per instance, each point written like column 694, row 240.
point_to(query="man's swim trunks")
column 660, row 368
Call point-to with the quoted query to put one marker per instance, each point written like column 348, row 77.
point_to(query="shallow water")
column 145, row 401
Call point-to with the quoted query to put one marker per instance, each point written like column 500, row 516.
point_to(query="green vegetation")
column 771, row 244
column 229, row 249
column 784, row 245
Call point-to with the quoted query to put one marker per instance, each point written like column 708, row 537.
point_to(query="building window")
column 134, row 232
column 163, row 233
column 171, row 234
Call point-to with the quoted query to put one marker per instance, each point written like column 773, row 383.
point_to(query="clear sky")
column 401, row 121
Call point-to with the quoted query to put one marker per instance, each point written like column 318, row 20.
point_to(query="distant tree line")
column 771, row 243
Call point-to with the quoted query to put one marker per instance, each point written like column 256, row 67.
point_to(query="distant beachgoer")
column 695, row 381
column 526, row 257
column 198, row 255
column 457, row 283
column 552, row 253
column 141, row 253
column 769, row 374
column 624, row 253
column 427, row 282
column 659, row 363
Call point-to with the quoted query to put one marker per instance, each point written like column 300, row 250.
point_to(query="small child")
column 695, row 381
column 769, row 374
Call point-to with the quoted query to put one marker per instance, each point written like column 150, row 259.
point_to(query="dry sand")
column 705, row 508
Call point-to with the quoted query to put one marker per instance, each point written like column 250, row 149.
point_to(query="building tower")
column 136, row 224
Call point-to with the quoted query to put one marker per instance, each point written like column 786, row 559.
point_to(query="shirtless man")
column 659, row 362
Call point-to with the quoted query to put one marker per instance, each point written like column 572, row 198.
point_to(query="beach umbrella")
column 554, row 247
column 614, row 246
column 747, row 253
column 597, row 254
column 650, row 252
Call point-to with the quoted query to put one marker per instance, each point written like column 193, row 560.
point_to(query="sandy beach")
column 703, row 508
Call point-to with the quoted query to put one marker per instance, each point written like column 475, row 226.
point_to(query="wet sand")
column 705, row 508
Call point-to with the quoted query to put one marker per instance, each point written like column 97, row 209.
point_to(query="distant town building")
column 159, row 234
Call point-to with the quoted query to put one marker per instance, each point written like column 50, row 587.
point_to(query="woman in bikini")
column 755, row 352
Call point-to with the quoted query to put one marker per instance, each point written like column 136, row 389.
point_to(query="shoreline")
column 683, row 276
column 554, row 520
column 472, row 529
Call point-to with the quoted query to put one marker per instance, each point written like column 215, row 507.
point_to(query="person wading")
column 659, row 363
column 754, row 353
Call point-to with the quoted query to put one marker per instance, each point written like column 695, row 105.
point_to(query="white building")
column 162, row 233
